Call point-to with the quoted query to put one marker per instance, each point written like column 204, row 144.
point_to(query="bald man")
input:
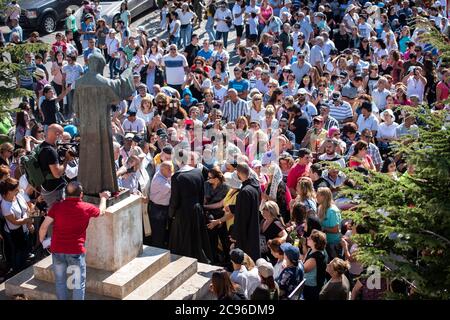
column 53, row 187
column 159, row 204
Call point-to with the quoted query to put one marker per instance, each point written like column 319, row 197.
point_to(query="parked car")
column 110, row 10
column 44, row 15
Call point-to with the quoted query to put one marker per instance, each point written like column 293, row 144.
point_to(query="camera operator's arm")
column 57, row 169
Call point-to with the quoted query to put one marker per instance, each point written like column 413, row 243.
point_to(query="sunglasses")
column 173, row 49
column 322, row 85
column 368, row 137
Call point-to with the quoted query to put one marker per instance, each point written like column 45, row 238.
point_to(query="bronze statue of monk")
column 92, row 99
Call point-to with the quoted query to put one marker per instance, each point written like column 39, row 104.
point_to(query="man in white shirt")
column 263, row 84
column 133, row 124
column 328, row 44
column 223, row 17
column 415, row 82
column 380, row 93
column 365, row 30
column 112, row 47
column 176, row 67
column 317, row 58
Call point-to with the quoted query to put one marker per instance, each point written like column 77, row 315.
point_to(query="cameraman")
column 53, row 188
column 72, row 166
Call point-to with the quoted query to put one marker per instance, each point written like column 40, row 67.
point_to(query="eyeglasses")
column 322, row 85
column 173, row 49
column 198, row 62
column 368, row 137
column 257, row 99
column 40, row 131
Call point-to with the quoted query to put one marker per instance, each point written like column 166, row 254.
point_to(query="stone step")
column 197, row 286
column 165, row 281
column 116, row 284
column 26, row 284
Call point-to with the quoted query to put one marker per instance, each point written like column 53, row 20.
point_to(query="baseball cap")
column 129, row 135
column 39, row 73
column 265, row 269
column 291, row 252
column 268, row 157
column 237, row 256
column 302, row 91
column 161, row 132
column 131, row 113
column 343, row 74
column 290, row 48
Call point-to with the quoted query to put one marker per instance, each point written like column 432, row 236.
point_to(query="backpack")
column 34, row 173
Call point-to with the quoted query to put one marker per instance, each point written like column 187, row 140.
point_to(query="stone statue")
column 92, row 99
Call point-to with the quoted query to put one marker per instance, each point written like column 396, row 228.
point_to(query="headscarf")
column 277, row 177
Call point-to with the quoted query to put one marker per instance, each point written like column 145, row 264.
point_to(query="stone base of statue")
column 119, row 266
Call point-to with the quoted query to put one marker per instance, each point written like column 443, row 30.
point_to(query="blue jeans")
column 175, row 40
column 224, row 35
column 75, row 266
column 210, row 29
column 113, row 67
column 185, row 34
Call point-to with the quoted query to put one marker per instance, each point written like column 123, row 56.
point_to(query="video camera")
column 72, row 147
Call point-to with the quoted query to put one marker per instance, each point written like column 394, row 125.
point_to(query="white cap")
column 302, row 91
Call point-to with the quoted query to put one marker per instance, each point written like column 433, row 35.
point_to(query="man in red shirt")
column 300, row 169
column 71, row 219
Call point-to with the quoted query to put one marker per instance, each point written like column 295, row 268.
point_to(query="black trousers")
column 159, row 216
column 219, row 232
column 76, row 39
column 311, row 293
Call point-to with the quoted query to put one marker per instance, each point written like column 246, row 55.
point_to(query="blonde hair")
column 327, row 201
column 273, row 209
column 270, row 110
column 340, row 266
column 248, row 262
column 306, row 188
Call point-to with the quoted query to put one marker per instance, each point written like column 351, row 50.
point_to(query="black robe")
column 188, row 232
column 246, row 218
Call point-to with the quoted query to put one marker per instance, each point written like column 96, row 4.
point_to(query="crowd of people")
column 240, row 164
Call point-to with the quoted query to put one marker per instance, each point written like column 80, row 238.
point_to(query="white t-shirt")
column 219, row 95
column 364, row 30
column 185, row 17
column 175, row 72
column 18, row 208
column 415, row 87
column 222, row 14
column 112, row 46
column 257, row 116
column 237, row 10
column 387, row 131
column 137, row 125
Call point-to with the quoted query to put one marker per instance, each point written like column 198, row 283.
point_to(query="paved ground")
column 150, row 21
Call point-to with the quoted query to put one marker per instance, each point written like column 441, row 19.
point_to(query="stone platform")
column 153, row 275
column 119, row 266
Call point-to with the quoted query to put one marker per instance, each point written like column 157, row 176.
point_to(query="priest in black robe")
column 246, row 213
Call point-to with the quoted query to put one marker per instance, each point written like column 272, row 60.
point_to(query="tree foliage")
column 409, row 219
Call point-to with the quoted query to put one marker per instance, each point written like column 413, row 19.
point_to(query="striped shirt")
column 341, row 112
column 175, row 72
column 232, row 111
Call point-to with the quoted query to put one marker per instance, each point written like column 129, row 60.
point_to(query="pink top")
column 444, row 91
column 265, row 13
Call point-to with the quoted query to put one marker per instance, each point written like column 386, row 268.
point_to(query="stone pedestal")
column 119, row 266
column 115, row 238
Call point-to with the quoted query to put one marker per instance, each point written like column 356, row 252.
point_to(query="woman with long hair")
column 174, row 113
column 215, row 192
column 314, row 263
column 396, row 62
column 18, row 225
column 361, row 158
column 145, row 110
column 22, row 125
column 338, row 287
column 307, row 84
column 306, row 194
column 141, row 61
column 405, row 37
column 330, row 219
column 365, row 51
column 219, row 68
column 56, row 70
column 242, row 131
column 153, row 53
column 431, row 76
column 125, row 14
column 222, row 287
column 6, row 153
column 271, row 227
column 102, row 32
